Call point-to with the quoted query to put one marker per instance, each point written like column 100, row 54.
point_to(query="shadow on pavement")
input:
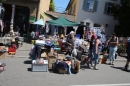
column 29, row 69
column 83, row 66
column 120, row 68
column 28, row 62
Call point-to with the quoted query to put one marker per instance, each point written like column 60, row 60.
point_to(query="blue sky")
column 60, row 5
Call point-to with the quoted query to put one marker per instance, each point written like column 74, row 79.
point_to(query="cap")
column 71, row 32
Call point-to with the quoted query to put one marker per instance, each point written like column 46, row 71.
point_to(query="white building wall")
column 97, row 17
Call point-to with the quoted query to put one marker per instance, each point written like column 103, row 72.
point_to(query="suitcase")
column 79, row 55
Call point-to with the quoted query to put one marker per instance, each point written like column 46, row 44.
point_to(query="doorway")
column 21, row 18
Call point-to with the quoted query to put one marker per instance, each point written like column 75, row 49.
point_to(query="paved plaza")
column 18, row 73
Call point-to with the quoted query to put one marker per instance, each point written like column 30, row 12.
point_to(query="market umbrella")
column 62, row 21
column 39, row 22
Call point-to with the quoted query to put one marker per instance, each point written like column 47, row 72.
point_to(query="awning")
column 39, row 22
column 62, row 21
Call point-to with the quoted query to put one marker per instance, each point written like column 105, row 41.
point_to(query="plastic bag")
column 74, row 52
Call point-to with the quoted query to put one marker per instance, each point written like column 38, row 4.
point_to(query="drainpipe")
column 0, row 8
column 12, row 21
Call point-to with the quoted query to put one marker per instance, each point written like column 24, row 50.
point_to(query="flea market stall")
column 45, row 52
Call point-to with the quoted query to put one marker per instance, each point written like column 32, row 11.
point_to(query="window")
column 90, row 5
column 96, row 25
column 109, row 8
column 74, row 8
column 87, row 24
column 82, row 23
column 69, row 12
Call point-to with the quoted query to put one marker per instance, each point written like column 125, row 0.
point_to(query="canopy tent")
column 62, row 21
column 39, row 22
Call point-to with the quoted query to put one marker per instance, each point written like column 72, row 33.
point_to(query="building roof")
column 69, row 4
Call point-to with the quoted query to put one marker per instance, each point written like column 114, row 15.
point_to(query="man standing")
column 1, row 28
column 127, row 45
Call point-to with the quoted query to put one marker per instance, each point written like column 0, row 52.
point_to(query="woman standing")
column 91, row 54
column 113, row 48
column 97, row 49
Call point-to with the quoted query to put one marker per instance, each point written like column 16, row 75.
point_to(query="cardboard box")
column 52, row 57
column 45, row 58
column 62, row 71
column 44, row 55
column 60, row 56
column 51, row 54
column 3, row 55
column 51, row 62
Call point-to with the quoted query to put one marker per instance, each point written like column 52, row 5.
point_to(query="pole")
column 12, row 20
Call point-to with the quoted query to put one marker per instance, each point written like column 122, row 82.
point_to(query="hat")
column 71, row 32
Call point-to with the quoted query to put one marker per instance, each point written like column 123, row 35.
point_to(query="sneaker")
column 112, row 63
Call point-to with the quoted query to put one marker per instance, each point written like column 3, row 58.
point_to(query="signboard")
column 32, row 19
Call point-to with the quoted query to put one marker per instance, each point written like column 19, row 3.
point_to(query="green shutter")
column 95, row 6
column 106, row 7
column 84, row 4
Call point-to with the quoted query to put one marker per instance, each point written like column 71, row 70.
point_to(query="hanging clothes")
column 1, row 26
column 47, row 28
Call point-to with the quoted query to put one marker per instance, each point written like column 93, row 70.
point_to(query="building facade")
column 23, row 11
column 94, row 13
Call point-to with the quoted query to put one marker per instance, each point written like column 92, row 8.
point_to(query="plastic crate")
column 39, row 67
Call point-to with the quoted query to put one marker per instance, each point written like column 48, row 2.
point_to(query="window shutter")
column 84, row 4
column 106, row 7
column 95, row 6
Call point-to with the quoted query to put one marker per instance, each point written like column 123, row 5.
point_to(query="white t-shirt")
column 89, row 36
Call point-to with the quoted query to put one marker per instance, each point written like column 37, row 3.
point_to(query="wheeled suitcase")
column 79, row 55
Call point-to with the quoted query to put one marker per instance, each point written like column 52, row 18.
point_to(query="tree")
column 2, row 0
column 122, row 14
column 52, row 6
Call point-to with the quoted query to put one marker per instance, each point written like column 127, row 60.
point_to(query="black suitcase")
column 79, row 55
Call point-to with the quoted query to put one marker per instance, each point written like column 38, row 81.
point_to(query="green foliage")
column 120, row 49
column 52, row 6
column 2, row 0
column 122, row 14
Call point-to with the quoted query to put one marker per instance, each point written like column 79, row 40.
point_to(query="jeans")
column 112, row 53
column 91, row 55
column 69, row 69
column 96, row 58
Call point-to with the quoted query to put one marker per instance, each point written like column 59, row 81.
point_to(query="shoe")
column 88, row 65
column 95, row 68
column 125, row 69
column 112, row 63
column 109, row 63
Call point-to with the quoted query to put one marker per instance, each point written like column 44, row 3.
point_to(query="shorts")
column 128, row 56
